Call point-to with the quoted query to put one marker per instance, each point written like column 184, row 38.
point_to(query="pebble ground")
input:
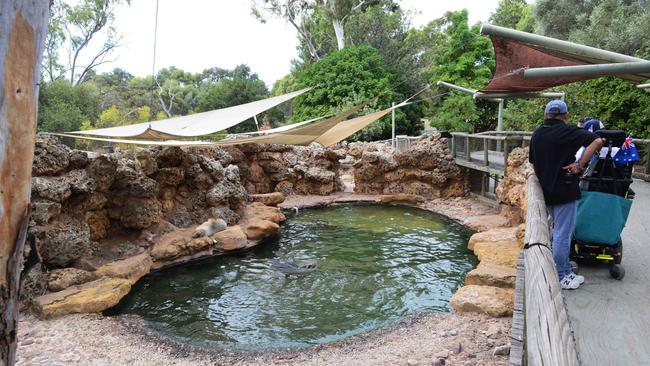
column 92, row 339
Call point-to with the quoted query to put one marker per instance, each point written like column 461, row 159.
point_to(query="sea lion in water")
column 290, row 268
column 209, row 228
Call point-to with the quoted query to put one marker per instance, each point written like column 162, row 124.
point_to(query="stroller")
column 604, row 208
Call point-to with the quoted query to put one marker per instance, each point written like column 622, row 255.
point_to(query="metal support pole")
column 589, row 70
column 393, row 121
column 256, row 124
column 644, row 86
column 486, row 153
column 452, row 140
column 500, row 117
column 647, row 163
column 500, row 122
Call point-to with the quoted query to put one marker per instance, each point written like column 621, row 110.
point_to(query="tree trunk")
column 23, row 28
column 340, row 33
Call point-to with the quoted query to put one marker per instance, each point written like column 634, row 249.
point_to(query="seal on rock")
column 209, row 228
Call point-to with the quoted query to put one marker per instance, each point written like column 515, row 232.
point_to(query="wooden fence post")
column 23, row 28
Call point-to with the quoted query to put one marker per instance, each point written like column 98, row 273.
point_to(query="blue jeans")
column 564, row 223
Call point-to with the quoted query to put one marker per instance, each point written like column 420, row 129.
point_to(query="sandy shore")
column 425, row 339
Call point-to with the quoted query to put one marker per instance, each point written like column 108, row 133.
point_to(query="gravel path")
column 91, row 339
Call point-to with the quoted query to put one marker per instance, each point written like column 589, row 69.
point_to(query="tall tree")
column 23, row 28
column 465, row 59
column 75, row 29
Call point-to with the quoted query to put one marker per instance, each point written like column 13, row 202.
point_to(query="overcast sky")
column 197, row 34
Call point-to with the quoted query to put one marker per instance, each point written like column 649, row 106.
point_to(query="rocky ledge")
column 100, row 224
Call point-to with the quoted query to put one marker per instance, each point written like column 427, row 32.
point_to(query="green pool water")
column 375, row 265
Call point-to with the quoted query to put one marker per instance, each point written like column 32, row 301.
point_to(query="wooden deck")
column 610, row 318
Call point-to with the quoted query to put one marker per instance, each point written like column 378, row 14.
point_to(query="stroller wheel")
column 617, row 271
column 574, row 267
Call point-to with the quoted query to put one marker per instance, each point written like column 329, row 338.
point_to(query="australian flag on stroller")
column 627, row 153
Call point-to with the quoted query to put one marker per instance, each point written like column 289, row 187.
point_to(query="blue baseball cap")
column 556, row 107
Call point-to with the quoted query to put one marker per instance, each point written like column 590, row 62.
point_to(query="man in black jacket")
column 552, row 152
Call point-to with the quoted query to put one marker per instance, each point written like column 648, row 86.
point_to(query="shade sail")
column 199, row 124
column 138, row 142
column 513, row 56
column 281, row 128
column 342, row 130
column 303, row 135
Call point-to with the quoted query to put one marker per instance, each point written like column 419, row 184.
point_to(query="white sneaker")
column 576, row 277
column 569, row 283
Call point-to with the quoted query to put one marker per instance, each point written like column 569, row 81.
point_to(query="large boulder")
column 55, row 189
column 147, row 161
column 233, row 238
column 269, row 199
column 90, row 297
column 102, row 171
column 50, row 156
column 257, row 229
column 63, row 241
column 489, row 274
column 508, row 234
column 43, row 211
column 140, row 213
column 179, row 243
column 131, row 269
column 170, row 156
column 493, row 301
column 226, row 192
column 499, row 253
column 60, row 279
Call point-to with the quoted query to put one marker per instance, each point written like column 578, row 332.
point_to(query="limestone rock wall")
column 511, row 190
column 78, row 202
column 426, row 169
column 266, row 168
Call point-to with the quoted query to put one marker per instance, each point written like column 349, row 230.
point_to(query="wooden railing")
column 487, row 151
column 541, row 332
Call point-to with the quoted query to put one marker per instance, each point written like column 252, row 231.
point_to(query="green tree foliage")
column 515, row 14
column 237, row 87
column 466, row 59
column 347, row 78
column 619, row 26
column 64, row 107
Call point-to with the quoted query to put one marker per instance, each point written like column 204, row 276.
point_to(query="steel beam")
column 644, row 86
column 456, row 87
column 518, row 95
column 589, row 70
column 557, row 45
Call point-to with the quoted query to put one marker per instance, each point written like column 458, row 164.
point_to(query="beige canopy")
column 303, row 135
column 199, row 124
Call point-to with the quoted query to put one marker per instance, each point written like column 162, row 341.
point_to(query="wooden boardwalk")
column 610, row 318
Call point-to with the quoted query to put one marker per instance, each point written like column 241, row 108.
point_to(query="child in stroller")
column 604, row 207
